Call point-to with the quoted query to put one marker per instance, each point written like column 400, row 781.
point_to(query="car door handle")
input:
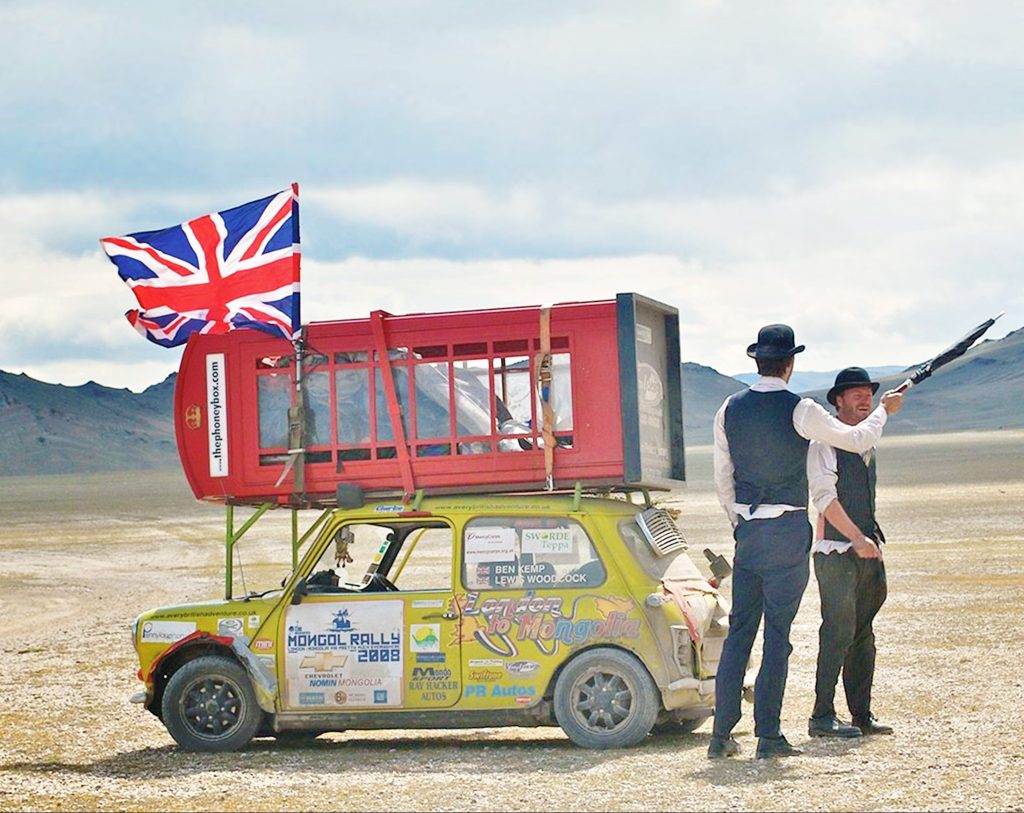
column 445, row 616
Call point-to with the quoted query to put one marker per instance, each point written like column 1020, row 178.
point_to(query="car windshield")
column 371, row 557
column 676, row 565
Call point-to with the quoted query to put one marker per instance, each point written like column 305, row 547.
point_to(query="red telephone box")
column 445, row 402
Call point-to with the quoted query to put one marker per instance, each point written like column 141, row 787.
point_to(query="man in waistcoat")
column 760, row 459
column 848, row 566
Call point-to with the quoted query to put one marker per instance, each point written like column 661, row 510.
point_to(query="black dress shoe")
column 722, row 747
column 771, row 747
column 831, row 726
column 872, row 726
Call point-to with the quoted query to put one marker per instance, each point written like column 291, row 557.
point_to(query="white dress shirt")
column 811, row 421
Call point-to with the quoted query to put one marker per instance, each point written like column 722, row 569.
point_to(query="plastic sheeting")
column 437, row 393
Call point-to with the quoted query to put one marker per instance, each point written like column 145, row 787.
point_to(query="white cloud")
column 420, row 209
column 721, row 307
column 877, row 31
column 852, row 167
column 862, row 208
column 28, row 220
column 135, row 376
column 352, row 288
column 876, row 266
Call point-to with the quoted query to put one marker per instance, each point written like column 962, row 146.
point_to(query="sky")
column 854, row 169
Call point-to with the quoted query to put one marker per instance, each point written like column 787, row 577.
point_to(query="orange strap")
column 543, row 365
column 394, row 410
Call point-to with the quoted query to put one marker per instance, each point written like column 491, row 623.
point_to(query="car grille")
column 661, row 532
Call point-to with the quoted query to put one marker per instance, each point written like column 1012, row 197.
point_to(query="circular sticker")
column 193, row 416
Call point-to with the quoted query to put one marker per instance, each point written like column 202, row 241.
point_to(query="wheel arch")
column 549, row 690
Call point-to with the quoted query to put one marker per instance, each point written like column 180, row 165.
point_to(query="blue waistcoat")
column 769, row 457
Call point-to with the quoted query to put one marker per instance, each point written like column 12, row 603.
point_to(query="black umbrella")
column 954, row 351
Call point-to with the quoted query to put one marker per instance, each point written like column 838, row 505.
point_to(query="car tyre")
column 209, row 705
column 604, row 698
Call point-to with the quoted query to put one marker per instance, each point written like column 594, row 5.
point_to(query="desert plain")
column 83, row 555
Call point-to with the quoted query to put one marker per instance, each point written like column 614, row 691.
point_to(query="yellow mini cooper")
column 454, row 612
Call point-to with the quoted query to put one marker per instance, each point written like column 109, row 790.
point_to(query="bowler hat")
column 851, row 377
column 774, row 342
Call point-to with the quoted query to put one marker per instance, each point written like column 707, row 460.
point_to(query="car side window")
column 425, row 561
column 516, row 553
column 349, row 562
column 371, row 558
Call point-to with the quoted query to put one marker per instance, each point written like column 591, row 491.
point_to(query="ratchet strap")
column 297, row 427
column 543, row 365
column 394, row 410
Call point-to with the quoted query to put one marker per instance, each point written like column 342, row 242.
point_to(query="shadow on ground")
column 343, row 753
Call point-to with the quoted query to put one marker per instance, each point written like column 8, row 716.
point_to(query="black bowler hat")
column 774, row 342
column 851, row 377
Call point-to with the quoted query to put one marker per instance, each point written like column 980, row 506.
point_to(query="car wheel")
column 685, row 725
column 209, row 705
column 604, row 698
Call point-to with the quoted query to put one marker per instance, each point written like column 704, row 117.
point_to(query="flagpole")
column 297, row 421
column 297, row 424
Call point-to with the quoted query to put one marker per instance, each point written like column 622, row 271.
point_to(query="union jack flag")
column 219, row 272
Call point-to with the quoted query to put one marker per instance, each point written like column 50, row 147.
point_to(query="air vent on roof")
column 662, row 533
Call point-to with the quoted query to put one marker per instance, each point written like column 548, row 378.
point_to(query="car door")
column 354, row 643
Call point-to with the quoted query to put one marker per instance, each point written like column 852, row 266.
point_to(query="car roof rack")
column 351, row 496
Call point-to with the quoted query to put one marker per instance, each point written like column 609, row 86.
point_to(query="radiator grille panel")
column 661, row 531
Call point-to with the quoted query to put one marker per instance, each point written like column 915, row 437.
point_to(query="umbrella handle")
column 906, row 385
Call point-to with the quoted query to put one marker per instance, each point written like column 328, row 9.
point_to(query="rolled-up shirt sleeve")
column 725, row 484
column 813, row 422
column 822, row 475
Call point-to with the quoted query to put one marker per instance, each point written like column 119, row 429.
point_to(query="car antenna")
column 241, row 572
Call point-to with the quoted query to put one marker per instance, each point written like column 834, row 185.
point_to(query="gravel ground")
column 81, row 559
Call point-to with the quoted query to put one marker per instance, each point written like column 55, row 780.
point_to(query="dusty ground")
column 81, row 559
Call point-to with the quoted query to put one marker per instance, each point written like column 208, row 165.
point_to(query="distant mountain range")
column 806, row 382
column 51, row 428
column 982, row 390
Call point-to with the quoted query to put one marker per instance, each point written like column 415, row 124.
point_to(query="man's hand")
column 866, row 548
column 892, row 401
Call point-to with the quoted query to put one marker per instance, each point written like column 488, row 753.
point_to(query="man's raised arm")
column 813, row 422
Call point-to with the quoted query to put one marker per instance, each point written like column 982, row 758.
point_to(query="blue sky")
column 855, row 169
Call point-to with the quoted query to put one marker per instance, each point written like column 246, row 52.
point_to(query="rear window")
column 676, row 565
column 515, row 553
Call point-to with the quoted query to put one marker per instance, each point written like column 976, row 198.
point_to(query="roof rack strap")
column 543, row 365
column 394, row 410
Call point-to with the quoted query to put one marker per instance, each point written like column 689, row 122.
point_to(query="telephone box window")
column 274, row 397
column 352, row 405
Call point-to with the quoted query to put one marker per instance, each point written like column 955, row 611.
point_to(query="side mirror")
column 299, row 592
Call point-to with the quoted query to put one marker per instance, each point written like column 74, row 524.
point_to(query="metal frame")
column 232, row 537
